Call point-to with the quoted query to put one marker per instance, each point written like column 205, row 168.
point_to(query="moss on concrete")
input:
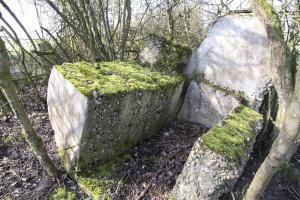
column 109, row 78
column 172, row 56
column 231, row 139
column 272, row 16
column 238, row 95
column 274, row 21
column 63, row 194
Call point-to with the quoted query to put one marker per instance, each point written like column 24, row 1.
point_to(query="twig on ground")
column 292, row 190
column 232, row 195
column 160, row 169
column 144, row 191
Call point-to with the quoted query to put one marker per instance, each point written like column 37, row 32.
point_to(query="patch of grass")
column 116, row 77
column 8, row 139
column 289, row 173
column 231, row 138
column 97, row 181
column 62, row 194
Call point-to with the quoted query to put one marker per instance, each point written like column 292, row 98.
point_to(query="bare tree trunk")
column 280, row 69
column 8, row 88
column 126, row 26
column 171, row 20
column 282, row 149
column 288, row 118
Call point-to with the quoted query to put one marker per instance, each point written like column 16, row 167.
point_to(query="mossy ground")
column 8, row 139
column 231, row 138
column 62, row 194
column 97, row 181
column 116, row 77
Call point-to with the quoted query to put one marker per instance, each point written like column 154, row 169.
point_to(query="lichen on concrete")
column 232, row 136
column 109, row 78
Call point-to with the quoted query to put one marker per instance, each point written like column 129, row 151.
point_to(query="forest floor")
column 150, row 173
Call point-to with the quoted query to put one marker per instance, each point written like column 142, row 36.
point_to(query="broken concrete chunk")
column 218, row 158
column 235, row 55
column 100, row 110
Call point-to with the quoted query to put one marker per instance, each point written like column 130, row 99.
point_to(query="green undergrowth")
column 9, row 139
column 116, row 77
column 62, row 194
column 231, row 138
column 97, row 180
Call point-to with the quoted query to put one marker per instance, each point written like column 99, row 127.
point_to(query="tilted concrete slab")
column 234, row 55
column 218, row 158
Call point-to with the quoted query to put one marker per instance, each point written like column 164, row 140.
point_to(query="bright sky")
column 26, row 13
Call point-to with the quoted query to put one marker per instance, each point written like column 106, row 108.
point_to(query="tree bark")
column 8, row 88
column 280, row 62
column 126, row 26
column 283, row 148
column 288, row 118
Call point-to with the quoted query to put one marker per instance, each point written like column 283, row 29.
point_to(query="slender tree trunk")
column 288, row 118
column 8, row 88
column 171, row 20
column 126, row 26
column 283, row 148
column 280, row 63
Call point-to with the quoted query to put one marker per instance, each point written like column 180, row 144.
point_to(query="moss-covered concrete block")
column 164, row 55
column 100, row 110
column 218, row 158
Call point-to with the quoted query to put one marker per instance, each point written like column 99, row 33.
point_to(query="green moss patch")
column 63, row 194
column 116, row 77
column 272, row 17
column 232, row 138
column 171, row 57
column 97, row 180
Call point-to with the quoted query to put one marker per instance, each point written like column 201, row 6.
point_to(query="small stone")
column 166, row 134
column 95, row 94
column 97, row 102
column 170, row 173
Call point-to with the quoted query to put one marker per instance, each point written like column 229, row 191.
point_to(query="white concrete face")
column 234, row 55
column 204, row 105
column 67, row 109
